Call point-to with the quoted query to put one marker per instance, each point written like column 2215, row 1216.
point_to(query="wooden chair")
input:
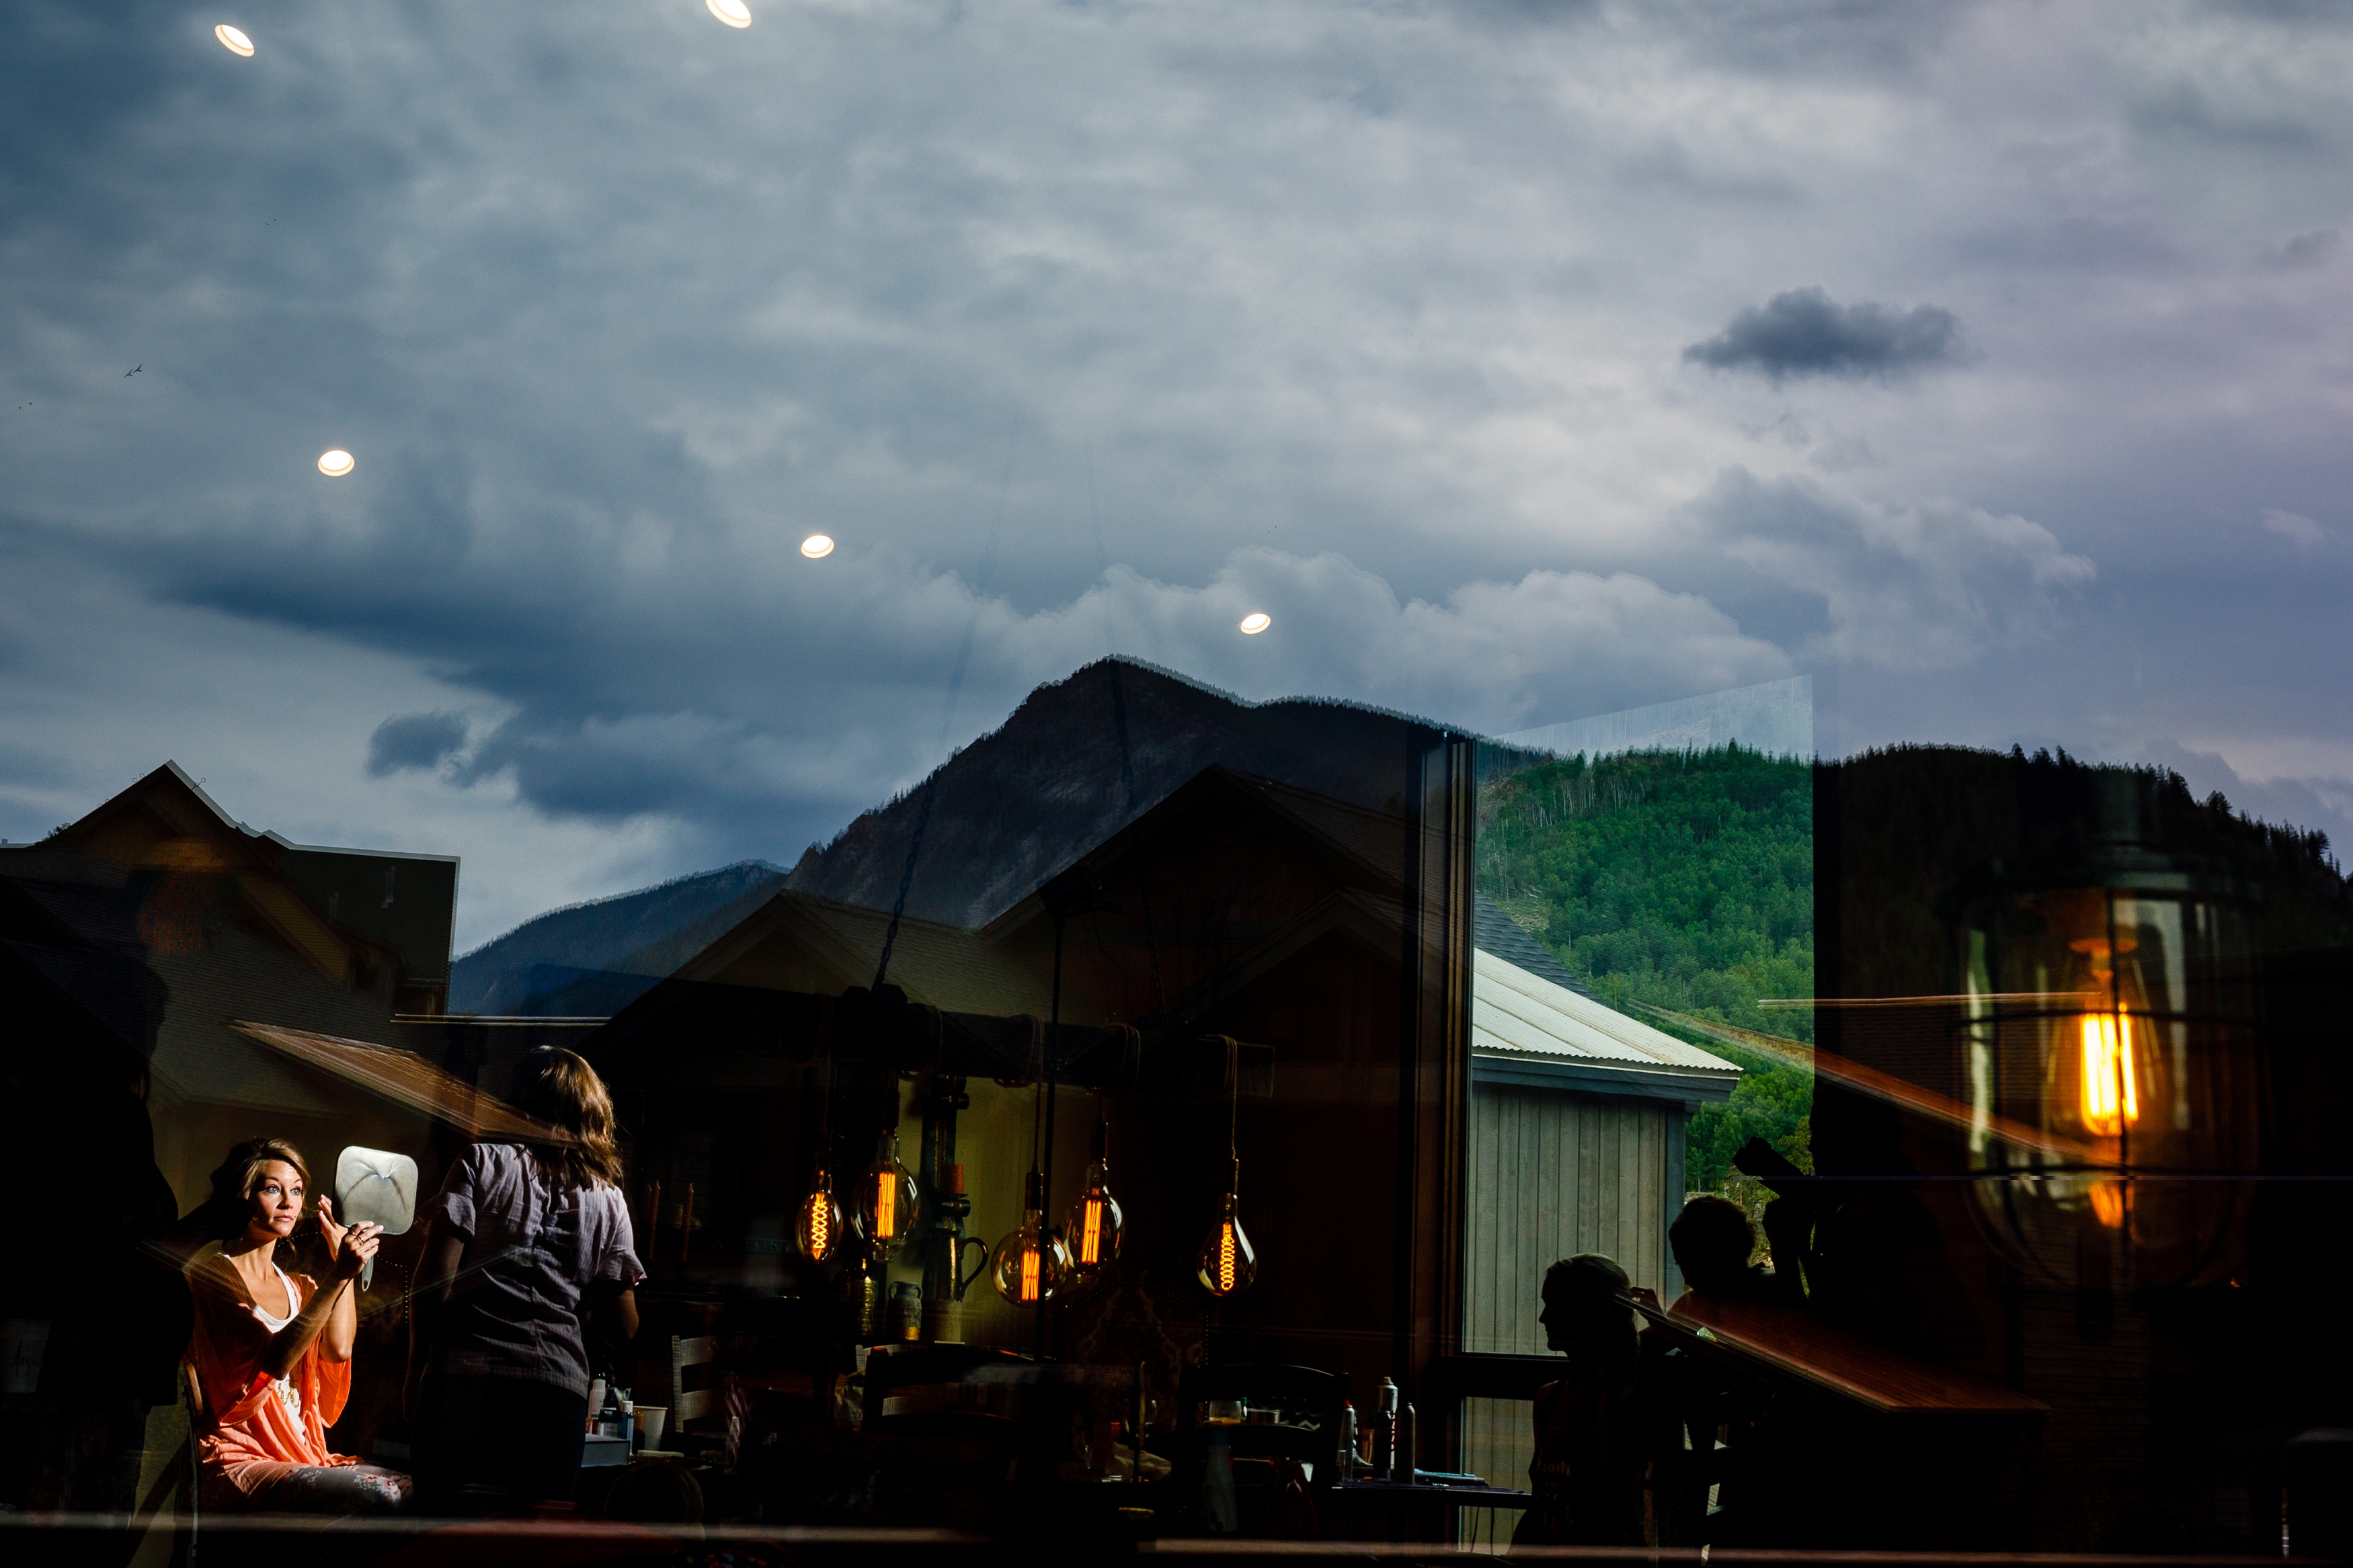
column 688, row 1405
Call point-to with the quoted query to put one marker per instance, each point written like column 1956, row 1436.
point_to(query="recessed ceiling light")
column 734, row 13
column 816, row 546
column 233, row 40
column 1256, row 622
column 336, row 463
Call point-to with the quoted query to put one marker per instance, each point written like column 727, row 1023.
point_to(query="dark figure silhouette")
column 1590, row 1452
column 1713, row 1240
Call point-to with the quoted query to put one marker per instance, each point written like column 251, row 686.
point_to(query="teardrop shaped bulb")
column 1094, row 1228
column 888, row 1200
column 1229, row 1262
column 817, row 1226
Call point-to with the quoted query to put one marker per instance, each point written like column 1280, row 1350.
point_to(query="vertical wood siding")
column 1551, row 1175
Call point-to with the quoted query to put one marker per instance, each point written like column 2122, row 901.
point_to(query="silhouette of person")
column 1590, row 1452
column 1713, row 1240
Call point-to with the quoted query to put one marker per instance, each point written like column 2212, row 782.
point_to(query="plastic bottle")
column 1348, row 1439
column 1384, row 1454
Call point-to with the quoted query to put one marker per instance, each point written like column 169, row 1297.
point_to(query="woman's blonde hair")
column 558, row 1087
column 239, row 1177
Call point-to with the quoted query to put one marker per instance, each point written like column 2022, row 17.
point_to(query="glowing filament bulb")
column 817, row 1226
column 2111, row 1087
column 887, row 1201
column 1093, row 1225
column 1032, row 1263
column 1229, row 1262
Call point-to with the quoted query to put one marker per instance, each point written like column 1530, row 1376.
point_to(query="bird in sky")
column 135, row 369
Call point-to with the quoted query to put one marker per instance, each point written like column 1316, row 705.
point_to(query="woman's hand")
column 349, row 1248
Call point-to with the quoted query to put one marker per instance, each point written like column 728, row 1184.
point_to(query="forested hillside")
column 1683, row 879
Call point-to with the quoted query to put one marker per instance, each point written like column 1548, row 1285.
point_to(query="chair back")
column 691, row 1403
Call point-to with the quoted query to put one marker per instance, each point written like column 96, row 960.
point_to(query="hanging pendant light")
column 1031, row 1263
column 888, row 1200
column 1229, row 1262
column 816, row 1227
column 2109, row 1018
column 1094, row 1229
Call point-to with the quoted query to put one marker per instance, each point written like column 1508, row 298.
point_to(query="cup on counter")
column 652, row 1420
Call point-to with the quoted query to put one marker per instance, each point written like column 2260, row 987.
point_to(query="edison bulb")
column 1094, row 1228
column 1032, row 1264
column 1229, row 1262
column 816, row 1227
column 888, row 1202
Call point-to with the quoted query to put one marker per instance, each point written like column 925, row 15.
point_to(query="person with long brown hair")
column 272, row 1351
column 529, row 1250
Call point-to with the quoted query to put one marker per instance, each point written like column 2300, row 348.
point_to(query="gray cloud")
column 2314, row 249
column 1805, row 333
column 421, row 741
column 1363, row 317
column 1925, row 586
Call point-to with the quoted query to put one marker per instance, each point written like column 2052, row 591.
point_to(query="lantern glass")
column 2108, row 1066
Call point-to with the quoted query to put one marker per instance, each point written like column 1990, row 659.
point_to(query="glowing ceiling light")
column 734, row 13
column 817, row 546
column 1256, row 622
column 336, row 464
column 234, row 40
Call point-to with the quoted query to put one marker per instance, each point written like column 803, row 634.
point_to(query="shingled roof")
column 1502, row 935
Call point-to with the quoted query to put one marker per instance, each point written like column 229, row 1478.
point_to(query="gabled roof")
column 1502, row 935
column 324, row 902
column 1368, row 844
column 1520, row 1018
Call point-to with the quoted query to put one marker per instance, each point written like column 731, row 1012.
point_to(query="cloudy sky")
column 1524, row 362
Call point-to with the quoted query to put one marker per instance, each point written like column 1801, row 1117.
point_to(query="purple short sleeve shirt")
column 533, row 1248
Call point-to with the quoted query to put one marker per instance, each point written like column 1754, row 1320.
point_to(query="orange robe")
column 254, row 1434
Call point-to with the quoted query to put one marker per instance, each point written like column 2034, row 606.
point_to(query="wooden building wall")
column 1553, row 1174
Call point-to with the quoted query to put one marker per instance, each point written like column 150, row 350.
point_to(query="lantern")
column 2111, row 1074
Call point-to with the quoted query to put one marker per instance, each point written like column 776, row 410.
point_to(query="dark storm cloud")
column 1805, row 333
column 422, row 742
column 1362, row 317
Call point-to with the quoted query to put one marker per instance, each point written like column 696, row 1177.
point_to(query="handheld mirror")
column 372, row 1186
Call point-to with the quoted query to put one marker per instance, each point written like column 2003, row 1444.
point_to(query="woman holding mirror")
column 272, row 1351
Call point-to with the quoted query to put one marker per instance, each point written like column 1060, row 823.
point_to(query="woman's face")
column 1574, row 1318
column 277, row 1202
